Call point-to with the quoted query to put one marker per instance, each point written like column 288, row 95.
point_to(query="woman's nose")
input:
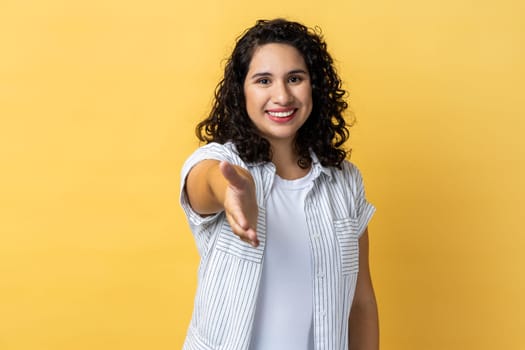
column 282, row 94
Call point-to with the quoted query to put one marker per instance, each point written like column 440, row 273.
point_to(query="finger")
column 253, row 243
column 252, row 237
column 246, row 236
column 246, row 240
column 236, row 227
column 230, row 174
column 249, row 236
column 238, row 217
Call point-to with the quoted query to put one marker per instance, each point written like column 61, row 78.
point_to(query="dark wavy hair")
column 325, row 130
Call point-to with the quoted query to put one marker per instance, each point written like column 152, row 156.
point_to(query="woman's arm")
column 363, row 323
column 213, row 186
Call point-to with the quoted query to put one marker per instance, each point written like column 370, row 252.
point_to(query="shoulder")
column 348, row 172
column 217, row 149
column 348, row 178
column 221, row 152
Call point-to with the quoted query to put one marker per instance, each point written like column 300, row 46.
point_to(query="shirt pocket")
column 348, row 239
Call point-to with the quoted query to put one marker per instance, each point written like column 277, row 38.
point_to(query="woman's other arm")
column 364, row 323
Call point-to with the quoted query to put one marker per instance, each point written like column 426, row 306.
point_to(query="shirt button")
column 320, row 274
column 316, row 236
column 323, row 313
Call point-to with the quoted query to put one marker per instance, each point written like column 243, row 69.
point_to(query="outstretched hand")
column 240, row 203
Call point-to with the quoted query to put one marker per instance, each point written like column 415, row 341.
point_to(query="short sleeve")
column 363, row 209
column 215, row 151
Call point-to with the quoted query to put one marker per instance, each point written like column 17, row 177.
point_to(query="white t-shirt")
column 283, row 316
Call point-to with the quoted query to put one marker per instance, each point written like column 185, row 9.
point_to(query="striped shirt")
column 337, row 213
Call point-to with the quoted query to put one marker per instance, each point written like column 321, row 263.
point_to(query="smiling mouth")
column 284, row 114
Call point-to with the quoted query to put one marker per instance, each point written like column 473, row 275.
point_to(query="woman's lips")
column 281, row 115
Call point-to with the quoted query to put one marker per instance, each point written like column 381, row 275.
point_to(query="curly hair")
column 325, row 130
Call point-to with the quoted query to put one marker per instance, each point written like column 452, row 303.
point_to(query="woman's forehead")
column 277, row 56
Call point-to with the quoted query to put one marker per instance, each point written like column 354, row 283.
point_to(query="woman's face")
column 278, row 92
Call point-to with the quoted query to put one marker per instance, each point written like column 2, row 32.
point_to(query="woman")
column 279, row 216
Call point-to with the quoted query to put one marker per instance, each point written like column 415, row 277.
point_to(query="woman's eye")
column 294, row 79
column 263, row 81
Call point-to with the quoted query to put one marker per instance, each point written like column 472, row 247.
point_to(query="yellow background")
column 98, row 101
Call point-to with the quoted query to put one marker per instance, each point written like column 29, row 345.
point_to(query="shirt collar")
column 318, row 167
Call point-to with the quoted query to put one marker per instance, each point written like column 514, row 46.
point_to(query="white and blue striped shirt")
column 337, row 213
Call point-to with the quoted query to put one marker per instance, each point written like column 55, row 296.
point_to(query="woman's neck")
column 286, row 164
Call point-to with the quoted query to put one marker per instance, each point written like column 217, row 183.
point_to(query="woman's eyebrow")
column 261, row 74
column 268, row 74
column 298, row 71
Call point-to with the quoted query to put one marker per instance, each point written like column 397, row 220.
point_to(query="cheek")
column 307, row 97
column 250, row 103
column 252, row 98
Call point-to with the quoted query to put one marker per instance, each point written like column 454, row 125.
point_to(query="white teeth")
column 281, row 114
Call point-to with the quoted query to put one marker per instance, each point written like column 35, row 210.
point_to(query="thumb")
column 231, row 175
